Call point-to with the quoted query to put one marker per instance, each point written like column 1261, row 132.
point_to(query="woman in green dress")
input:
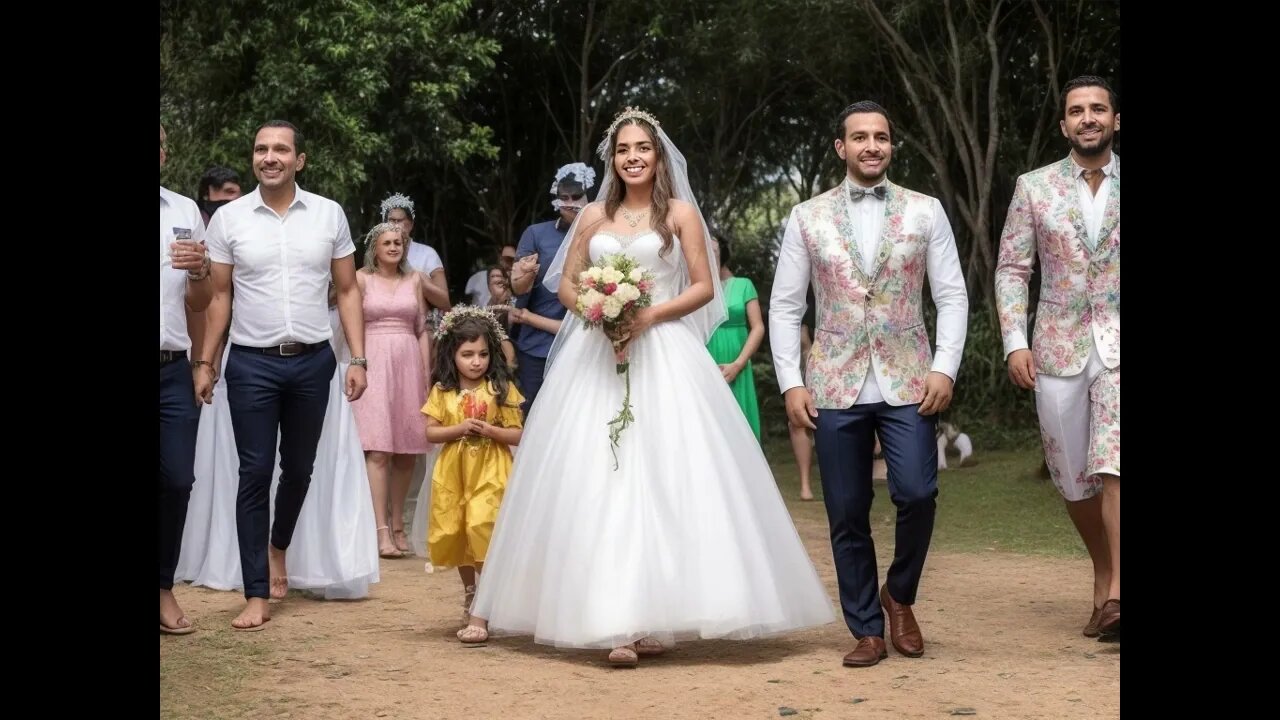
column 734, row 342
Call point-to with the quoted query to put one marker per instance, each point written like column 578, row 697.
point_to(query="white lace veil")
column 702, row 321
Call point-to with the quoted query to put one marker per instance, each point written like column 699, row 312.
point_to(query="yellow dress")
column 470, row 475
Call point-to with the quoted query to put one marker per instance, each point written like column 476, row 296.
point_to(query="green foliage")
column 469, row 106
column 369, row 84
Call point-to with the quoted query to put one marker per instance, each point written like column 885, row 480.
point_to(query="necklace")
column 633, row 219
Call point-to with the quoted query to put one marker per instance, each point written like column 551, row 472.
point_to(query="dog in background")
column 958, row 443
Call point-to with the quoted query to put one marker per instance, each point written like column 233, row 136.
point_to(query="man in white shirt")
column 279, row 246
column 184, row 287
column 1068, row 214
column 867, row 246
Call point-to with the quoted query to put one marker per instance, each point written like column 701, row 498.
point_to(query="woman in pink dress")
column 397, row 342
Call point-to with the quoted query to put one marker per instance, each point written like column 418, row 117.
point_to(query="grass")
column 198, row 679
column 1000, row 503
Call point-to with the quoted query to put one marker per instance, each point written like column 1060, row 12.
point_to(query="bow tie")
column 857, row 193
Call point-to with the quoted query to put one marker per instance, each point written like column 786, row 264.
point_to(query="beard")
column 1103, row 145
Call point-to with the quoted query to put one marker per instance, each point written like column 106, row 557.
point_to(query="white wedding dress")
column 688, row 538
column 334, row 552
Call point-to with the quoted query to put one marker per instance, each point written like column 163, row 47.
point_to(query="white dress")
column 688, row 538
column 334, row 552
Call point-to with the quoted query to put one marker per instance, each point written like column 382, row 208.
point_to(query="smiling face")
column 635, row 156
column 1089, row 121
column 275, row 159
column 866, row 147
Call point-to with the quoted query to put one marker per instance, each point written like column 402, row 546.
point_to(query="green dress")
column 727, row 341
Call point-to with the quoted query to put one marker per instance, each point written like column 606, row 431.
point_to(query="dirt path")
column 1002, row 634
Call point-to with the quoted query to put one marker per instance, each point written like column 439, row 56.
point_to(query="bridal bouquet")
column 609, row 294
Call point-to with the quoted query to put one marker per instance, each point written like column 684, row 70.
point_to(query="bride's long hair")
column 662, row 186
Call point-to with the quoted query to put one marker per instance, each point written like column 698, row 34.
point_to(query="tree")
column 375, row 87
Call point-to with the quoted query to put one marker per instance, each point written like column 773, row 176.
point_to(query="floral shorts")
column 1080, row 427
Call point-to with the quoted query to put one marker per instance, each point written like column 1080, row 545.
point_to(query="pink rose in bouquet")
column 610, row 293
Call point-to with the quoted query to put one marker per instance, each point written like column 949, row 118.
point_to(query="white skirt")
column 688, row 538
column 334, row 552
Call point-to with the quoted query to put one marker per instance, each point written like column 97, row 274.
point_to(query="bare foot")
column 279, row 575
column 806, row 495
column 172, row 619
column 255, row 615
column 387, row 548
column 402, row 540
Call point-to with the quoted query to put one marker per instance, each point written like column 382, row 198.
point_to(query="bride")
column 689, row 537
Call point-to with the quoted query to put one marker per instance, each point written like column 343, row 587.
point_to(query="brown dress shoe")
column 904, row 633
column 1109, row 621
column 1091, row 627
column 870, row 650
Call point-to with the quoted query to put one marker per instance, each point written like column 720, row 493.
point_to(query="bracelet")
column 203, row 272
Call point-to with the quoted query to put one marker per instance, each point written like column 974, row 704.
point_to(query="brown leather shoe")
column 904, row 633
column 1109, row 621
column 870, row 650
column 1091, row 627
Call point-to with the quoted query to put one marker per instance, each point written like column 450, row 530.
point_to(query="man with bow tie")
column 1068, row 214
column 867, row 246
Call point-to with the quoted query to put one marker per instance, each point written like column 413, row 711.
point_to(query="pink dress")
column 388, row 414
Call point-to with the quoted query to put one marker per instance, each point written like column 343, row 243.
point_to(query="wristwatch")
column 362, row 362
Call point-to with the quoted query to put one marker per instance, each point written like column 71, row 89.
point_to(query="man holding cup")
column 184, row 287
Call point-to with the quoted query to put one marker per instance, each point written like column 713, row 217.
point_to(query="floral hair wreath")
column 397, row 201
column 462, row 312
column 628, row 113
column 581, row 172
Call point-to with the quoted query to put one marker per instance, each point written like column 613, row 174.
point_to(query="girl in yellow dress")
column 473, row 412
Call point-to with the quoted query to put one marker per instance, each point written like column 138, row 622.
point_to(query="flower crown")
column 628, row 113
column 397, row 201
column 462, row 312
column 581, row 172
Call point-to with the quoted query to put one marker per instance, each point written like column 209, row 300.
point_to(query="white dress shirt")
column 792, row 277
column 176, row 212
column 282, row 265
column 1094, row 206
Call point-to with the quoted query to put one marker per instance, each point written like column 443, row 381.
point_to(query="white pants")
column 1080, row 427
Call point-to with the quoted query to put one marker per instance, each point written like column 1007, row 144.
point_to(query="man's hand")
column 800, row 408
column 937, row 393
column 1022, row 369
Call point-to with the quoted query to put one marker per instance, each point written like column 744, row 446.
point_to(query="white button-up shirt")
column 282, row 265
column 176, row 213
column 1094, row 206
